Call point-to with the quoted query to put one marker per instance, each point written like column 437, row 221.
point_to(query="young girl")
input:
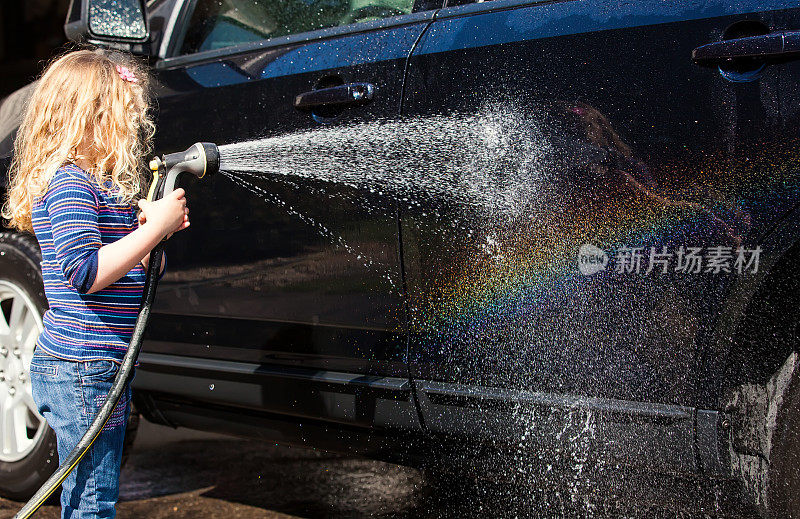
column 76, row 173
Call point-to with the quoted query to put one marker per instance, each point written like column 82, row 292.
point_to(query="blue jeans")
column 68, row 395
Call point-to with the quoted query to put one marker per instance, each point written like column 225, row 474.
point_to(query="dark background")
column 31, row 33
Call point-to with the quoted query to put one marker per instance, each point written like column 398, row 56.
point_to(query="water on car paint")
column 498, row 171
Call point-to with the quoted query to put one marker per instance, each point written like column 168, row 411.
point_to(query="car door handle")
column 351, row 94
column 775, row 46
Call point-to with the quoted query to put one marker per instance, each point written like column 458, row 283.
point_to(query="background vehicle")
column 487, row 334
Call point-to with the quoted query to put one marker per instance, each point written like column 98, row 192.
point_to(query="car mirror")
column 115, row 22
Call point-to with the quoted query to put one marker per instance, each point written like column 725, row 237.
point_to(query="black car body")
column 316, row 313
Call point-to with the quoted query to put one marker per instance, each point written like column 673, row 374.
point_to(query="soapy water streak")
column 492, row 161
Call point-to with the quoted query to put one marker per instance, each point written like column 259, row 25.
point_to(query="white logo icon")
column 591, row 259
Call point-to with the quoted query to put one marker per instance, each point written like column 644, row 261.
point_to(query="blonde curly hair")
column 82, row 109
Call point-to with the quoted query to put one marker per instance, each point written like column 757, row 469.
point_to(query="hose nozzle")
column 201, row 159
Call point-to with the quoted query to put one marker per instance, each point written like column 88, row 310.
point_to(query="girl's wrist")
column 153, row 231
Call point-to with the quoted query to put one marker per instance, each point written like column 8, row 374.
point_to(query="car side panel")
column 282, row 273
column 632, row 145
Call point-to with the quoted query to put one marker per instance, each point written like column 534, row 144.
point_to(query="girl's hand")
column 169, row 215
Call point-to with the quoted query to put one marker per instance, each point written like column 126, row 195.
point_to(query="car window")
column 216, row 24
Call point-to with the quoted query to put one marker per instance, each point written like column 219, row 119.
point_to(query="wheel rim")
column 21, row 425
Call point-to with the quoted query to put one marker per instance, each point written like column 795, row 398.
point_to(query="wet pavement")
column 184, row 473
column 187, row 474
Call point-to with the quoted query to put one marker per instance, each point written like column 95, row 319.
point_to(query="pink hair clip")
column 126, row 74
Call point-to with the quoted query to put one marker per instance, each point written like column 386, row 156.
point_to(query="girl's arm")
column 142, row 219
column 162, row 218
column 73, row 207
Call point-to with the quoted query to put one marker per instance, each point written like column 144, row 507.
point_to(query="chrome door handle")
column 350, row 94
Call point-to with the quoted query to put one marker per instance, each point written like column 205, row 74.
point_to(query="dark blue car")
column 557, row 233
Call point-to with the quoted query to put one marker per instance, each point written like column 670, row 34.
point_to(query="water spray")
column 200, row 160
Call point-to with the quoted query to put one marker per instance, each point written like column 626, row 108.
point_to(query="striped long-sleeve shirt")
column 72, row 220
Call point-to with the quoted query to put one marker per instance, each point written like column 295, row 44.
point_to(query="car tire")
column 23, row 471
column 783, row 488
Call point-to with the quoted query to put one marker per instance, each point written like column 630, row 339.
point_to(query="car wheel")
column 27, row 445
column 28, row 453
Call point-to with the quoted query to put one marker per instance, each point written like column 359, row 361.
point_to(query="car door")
column 573, row 288
column 285, row 294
